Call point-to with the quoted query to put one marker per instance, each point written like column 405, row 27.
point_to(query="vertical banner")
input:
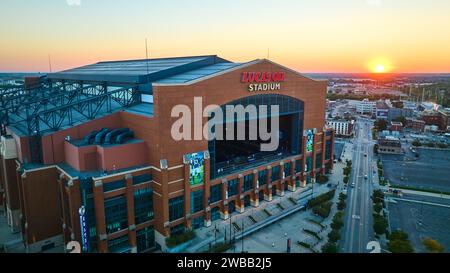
column 196, row 168
column 84, row 230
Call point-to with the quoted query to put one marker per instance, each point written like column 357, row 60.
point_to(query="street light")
column 242, row 235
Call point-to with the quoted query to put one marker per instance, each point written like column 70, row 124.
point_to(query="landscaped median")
column 380, row 221
column 179, row 242
column 381, row 179
column 347, row 171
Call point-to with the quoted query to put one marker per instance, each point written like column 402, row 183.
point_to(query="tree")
column 381, row 125
column 329, row 248
column 398, row 104
column 341, row 205
column 380, row 224
column 400, row 246
column 337, row 221
column 322, row 179
column 334, row 236
column 416, row 143
column 378, row 207
column 347, row 171
column 378, row 196
column 398, row 235
column 400, row 119
column 349, row 163
column 346, row 178
column 432, row 246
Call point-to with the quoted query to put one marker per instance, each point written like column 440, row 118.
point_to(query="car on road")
column 352, row 185
column 365, row 177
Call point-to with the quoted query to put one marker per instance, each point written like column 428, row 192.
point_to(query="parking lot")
column 431, row 170
column 421, row 220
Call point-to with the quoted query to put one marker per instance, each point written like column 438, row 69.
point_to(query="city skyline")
column 352, row 36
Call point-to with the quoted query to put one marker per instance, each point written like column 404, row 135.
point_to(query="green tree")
column 400, row 246
column 398, row 235
column 346, row 179
column 334, row 236
column 337, row 223
column 381, row 125
column 378, row 196
column 341, row 205
column 380, row 224
column 378, row 207
column 330, row 248
column 347, row 171
column 416, row 143
column 431, row 245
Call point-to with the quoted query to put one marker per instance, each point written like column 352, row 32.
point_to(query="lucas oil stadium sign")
column 263, row 81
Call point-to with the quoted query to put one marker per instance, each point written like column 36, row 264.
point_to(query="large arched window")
column 233, row 156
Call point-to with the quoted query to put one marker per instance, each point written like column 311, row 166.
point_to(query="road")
column 358, row 230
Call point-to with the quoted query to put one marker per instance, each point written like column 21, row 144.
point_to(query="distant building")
column 366, row 107
column 436, row 118
column 415, row 125
column 341, row 127
column 382, row 110
column 428, row 106
column 396, row 126
column 390, row 145
column 395, row 113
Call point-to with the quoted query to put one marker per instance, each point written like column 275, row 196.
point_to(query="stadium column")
column 280, row 184
column 324, row 144
column 131, row 213
column 2, row 186
column 254, row 197
column 207, row 189
column 62, row 191
column 74, row 198
column 332, row 150
column 224, row 213
column 240, row 202
column 314, row 159
column 291, row 181
column 164, row 182
column 268, row 189
column 99, row 203
column 304, row 156
column 187, row 194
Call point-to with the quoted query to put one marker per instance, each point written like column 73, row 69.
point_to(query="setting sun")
column 380, row 65
column 379, row 68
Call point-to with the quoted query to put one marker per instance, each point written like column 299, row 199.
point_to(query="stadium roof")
column 137, row 71
column 198, row 73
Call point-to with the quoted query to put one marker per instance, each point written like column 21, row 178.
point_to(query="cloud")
column 73, row 2
column 374, row 2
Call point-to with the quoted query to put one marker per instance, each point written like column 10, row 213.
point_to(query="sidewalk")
column 423, row 193
column 272, row 215
column 11, row 241
column 278, row 208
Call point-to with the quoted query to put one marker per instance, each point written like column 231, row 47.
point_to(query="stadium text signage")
column 263, row 81
column 84, row 230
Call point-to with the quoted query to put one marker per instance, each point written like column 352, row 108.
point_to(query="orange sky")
column 310, row 36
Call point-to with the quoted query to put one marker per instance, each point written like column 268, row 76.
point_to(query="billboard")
column 309, row 140
column 196, row 168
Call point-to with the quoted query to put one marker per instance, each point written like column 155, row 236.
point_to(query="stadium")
column 87, row 154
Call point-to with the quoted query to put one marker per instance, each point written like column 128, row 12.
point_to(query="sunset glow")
column 309, row 36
